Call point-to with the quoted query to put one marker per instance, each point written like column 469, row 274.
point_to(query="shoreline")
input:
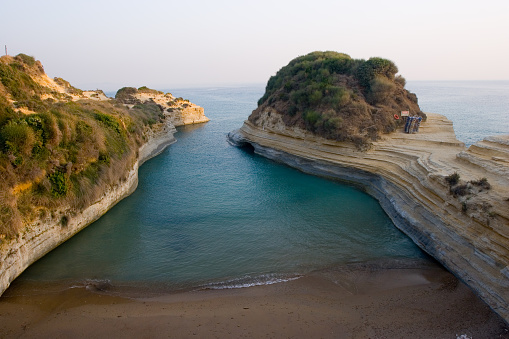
column 418, row 300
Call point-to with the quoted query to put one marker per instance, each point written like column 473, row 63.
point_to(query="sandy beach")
column 354, row 301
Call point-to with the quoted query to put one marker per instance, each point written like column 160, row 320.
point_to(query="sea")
column 207, row 215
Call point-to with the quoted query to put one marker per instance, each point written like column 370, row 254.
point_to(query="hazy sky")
column 167, row 44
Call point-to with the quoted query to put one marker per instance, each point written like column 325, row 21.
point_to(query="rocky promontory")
column 67, row 155
column 453, row 202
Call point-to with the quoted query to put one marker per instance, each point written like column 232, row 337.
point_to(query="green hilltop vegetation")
column 58, row 150
column 339, row 98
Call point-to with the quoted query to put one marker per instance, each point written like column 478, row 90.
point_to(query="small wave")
column 93, row 285
column 249, row 281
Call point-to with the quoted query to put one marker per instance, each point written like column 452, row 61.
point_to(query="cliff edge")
column 67, row 155
column 451, row 201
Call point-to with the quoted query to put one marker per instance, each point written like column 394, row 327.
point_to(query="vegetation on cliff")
column 337, row 97
column 57, row 148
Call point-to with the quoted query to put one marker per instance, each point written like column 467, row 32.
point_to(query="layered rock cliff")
column 451, row 201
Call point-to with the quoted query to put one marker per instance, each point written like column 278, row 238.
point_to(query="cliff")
column 68, row 155
column 451, row 201
column 178, row 111
column 45, row 234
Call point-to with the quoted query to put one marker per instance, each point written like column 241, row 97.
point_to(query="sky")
column 110, row 44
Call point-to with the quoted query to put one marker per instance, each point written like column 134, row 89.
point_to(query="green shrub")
column 6, row 111
column 375, row 67
column 315, row 98
column 17, row 137
column 145, row 89
column 125, row 92
column 104, row 158
column 59, row 184
column 83, row 131
column 50, row 132
column 312, row 118
column 107, row 120
column 29, row 60
column 380, row 88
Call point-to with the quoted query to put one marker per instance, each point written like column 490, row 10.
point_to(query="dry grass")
column 64, row 154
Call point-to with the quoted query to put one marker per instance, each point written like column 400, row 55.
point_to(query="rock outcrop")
column 177, row 111
column 463, row 224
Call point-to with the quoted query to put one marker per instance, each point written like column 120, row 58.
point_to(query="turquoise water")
column 208, row 214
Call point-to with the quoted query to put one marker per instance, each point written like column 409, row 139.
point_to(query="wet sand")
column 355, row 301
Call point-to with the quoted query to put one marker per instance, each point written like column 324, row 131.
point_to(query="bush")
column 401, row 81
column 453, row 179
column 17, row 137
column 459, row 190
column 59, row 184
column 380, row 88
column 29, row 60
column 145, row 89
column 125, row 92
column 311, row 118
column 376, row 67
column 108, row 121
column 483, row 182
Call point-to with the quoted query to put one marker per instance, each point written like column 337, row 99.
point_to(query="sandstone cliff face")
column 468, row 233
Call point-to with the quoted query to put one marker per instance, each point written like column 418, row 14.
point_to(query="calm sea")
column 478, row 109
column 208, row 214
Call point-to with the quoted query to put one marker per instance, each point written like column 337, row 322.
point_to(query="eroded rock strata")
column 464, row 226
